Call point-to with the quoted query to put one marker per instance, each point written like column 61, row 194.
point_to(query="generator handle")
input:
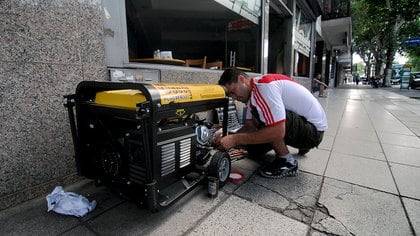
column 225, row 116
column 69, row 103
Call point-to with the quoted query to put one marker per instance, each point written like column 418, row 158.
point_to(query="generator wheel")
column 219, row 167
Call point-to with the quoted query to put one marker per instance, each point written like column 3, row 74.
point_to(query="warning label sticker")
column 179, row 93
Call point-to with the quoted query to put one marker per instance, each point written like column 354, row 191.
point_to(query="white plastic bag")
column 68, row 203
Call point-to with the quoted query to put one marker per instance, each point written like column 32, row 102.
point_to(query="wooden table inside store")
column 246, row 69
column 167, row 61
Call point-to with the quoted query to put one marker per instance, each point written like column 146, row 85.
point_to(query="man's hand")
column 216, row 139
column 227, row 142
column 224, row 143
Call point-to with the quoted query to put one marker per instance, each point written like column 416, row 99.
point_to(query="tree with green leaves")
column 367, row 41
column 360, row 69
column 367, row 57
column 377, row 28
column 411, row 51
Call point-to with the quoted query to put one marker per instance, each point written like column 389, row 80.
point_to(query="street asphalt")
column 361, row 180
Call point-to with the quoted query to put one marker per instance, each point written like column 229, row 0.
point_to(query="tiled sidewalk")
column 362, row 180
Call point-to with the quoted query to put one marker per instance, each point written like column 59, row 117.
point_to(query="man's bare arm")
column 272, row 134
column 320, row 82
column 249, row 126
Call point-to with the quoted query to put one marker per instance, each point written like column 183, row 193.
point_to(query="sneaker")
column 280, row 168
column 303, row 151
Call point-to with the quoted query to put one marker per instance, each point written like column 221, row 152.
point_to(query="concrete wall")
column 47, row 47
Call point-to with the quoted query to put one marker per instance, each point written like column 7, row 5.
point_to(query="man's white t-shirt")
column 273, row 94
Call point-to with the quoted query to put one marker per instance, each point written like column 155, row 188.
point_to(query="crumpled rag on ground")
column 68, row 203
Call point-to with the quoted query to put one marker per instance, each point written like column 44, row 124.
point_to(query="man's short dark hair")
column 231, row 76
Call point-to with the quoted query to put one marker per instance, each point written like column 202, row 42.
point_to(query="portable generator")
column 150, row 142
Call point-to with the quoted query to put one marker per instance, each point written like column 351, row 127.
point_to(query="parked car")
column 364, row 80
column 415, row 80
column 376, row 82
column 395, row 80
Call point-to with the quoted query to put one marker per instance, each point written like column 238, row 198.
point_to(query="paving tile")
column 331, row 131
column 402, row 155
column 79, row 230
column 412, row 124
column 346, row 209
column 28, row 216
column 334, row 112
column 314, row 232
column 413, row 209
column 237, row 216
column 399, row 139
column 356, row 117
column 403, row 115
column 303, row 189
column 328, row 225
column 301, row 192
column 415, row 130
column 176, row 219
column 31, row 218
column 327, row 142
column 356, row 123
column 181, row 217
column 246, row 164
column 353, row 125
column 359, row 148
column 391, row 126
column 105, row 199
column 125, row 219
column 404, row 176
column 231, row 186
column 334, row 116
column 247, row 167
column 293, row 151
column 314, row 161
column 358, row 134
column 363, row 171
column 263, row 196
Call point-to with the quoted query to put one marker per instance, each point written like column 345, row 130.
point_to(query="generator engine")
column 150, row 142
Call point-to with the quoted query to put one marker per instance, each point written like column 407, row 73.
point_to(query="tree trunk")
column 368, row 70
column 388, row 68
column 367, row 60
column 377, row 54
column 378, row 67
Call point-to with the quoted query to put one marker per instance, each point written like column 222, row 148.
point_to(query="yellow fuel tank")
column 168, row 92
column 125, row 98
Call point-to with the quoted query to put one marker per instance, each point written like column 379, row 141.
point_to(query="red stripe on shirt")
column 268, row 116
column 252, row 83
column 278, row 122
column 265, row 109
column 273, row 77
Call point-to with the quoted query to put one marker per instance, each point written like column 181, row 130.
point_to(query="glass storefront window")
column 301, row 66
column 335, row 9
column 250, row 9
column 303, row 24
column 193, row 29
column 302, row 43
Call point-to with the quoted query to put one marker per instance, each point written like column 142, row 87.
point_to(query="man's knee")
column 300, row 133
